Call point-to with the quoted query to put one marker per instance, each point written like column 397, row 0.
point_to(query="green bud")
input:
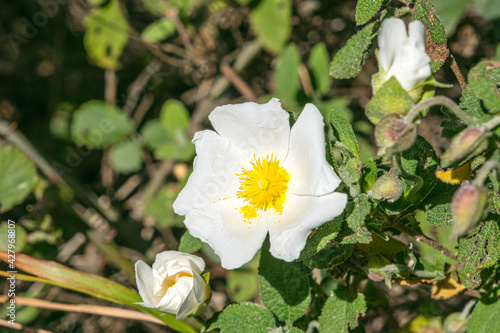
column 471, row 142
column 388, row 187
column 454, row 323
column 393, row 135
column 376, row 263
column 467, row 208
column 389, row 98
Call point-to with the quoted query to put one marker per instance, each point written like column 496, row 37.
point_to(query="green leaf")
column 341, row 310
column 470, row 104
column 189, row 243
column 486, row 314
column 369, row 175
column 485, row 87
column 356, row 212
column 126, row 157
column 319, row 64
column 271, row 21
column 154, row 134
column 342, row 129
column 366, row 9
column 494, row 202
column 450, row 12
column 436, row 45
column 321, row 237
column 426, row 13
column 333, row 255
column 97, row 125
column 19, row 235
column 106, row 34
column 290, row 300
column 68, row 278
column 420, row 160
column 155, row 7
column 437, row 205
column 348, row 61
column 160, row 209
column 53, row 273
column 174, row 117
column 158, row 30
column 246, row 317
column 287, row 74
column 18, row 177
column 478, row 251
column 241, row 285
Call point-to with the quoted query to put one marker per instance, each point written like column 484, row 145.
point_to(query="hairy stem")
column 438, row 100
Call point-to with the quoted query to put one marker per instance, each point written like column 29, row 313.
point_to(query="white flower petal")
column 391, row 37
column 183, row 260
column 301, row 215
column 260, row 129
column 310, row 173
column 416, row 32
column 145, row 283
column 214, row 173
column 196, row 296
column 221, row 225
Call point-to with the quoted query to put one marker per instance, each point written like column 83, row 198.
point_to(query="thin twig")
column 84, row 308
column 456, row 70
column 238, row 83
column 139, row 85
column 20, row 327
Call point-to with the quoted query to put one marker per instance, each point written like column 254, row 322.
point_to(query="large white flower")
column 174, row 283
column 402, row 55
column 253, row 176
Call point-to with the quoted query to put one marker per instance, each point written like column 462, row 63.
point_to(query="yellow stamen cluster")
column 265, row 185
column 170, row 281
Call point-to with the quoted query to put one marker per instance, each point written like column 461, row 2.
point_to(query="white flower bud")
column 402, row 54
column 174, row 284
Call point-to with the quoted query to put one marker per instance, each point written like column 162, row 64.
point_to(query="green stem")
column 413, row 178
column 484, row 172
column 492, row 123
column 438, row 100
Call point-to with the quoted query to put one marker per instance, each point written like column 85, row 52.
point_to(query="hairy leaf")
column 290, row 300
column 366, row 9
column 341, row 311
column 348, row 61
column 245, row 317
column 344, row 132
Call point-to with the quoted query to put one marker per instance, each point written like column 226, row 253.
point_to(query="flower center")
column 265, row 185
column 170, row 281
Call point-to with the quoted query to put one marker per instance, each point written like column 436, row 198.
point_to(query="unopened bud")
column 389, row 98
column 471, row 142
column 467, row 208
column 454, row 323
column 388, row 187
column 393, row 135
column 376, row 263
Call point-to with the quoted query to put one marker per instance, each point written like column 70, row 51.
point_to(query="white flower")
column 401, row 55
column 174, row 283
column 253, row 176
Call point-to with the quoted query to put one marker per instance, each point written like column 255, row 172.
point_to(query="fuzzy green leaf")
column 290, row 300
column 126, row 157
column 321, row 237
column 189, row 243
column 420, row 160
column 486, row 314
column 356, row 212
column 485, row 87
column 333, row 255
column 98, row 125
column 17, row 177
column 480, row 250
column 287, row 74
column 106, row 34
column 271, row 21
column 342, row 129
column 174, row 117
column 437, row 205
column 366, row 9
column 341, row 311
column 158, row 30
column 348, row 61
column 319, row 64
column 245, row 317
